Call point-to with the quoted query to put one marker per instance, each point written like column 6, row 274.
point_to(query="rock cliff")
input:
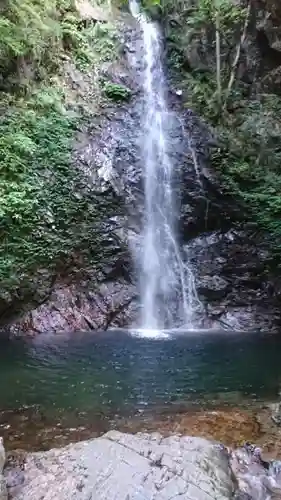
column 232, row 263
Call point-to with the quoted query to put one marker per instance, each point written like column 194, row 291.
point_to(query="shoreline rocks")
column 123, row 466
column 3, row 489
column 143, row 466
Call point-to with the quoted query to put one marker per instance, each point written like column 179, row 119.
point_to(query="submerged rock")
column 126, row 467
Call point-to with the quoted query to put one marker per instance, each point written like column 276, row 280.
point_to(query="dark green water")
column 55, row 390
column 117, row 374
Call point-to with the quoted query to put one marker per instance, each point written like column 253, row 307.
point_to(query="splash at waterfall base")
column 230, row 262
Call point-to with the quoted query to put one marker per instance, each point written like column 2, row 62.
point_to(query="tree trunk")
column 218, row 58
column 238, row 53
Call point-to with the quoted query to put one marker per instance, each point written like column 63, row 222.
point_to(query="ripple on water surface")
column 93, row 381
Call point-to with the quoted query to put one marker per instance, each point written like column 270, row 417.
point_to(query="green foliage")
column 253, row 157
column 104, row 41
column 38, row 32
column 248, row 127
column 116, row 92
column 151, row 7
column 89, row 46
column 151, row 3
column 201, row 94
column 46, row 213
column 29, row 29
column 206, row 11
column 212, row 28
column 26, row 26
column 249, row 156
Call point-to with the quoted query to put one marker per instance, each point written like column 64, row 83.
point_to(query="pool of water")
column 113, row 375
column 117, row 372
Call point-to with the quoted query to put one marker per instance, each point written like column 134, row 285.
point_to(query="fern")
column 44, row 218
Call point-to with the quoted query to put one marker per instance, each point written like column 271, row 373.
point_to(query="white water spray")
column 167, row 284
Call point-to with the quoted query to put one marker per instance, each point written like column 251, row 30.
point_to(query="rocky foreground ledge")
column 121, row 466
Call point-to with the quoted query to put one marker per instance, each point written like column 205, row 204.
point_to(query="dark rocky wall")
column 231, row 263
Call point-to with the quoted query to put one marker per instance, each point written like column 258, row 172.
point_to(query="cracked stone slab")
column 121, row 466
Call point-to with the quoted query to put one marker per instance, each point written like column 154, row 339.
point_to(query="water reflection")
column 115, row 372
column 57, row 389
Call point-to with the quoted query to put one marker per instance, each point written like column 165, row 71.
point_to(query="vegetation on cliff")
column 47, row 210
column 228, row 77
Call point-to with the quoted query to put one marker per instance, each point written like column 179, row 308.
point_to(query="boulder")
column 256, row 479
column 129, row 467
column 3, row 489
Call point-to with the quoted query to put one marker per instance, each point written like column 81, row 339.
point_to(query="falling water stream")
column 166, row 281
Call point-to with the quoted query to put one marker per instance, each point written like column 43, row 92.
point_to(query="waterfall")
column 167, row 285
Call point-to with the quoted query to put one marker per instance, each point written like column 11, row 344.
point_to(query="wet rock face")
column 73, row 308
column 229, row 268
column 233, row 280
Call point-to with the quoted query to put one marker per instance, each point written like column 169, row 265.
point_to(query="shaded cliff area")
column 225, row 61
